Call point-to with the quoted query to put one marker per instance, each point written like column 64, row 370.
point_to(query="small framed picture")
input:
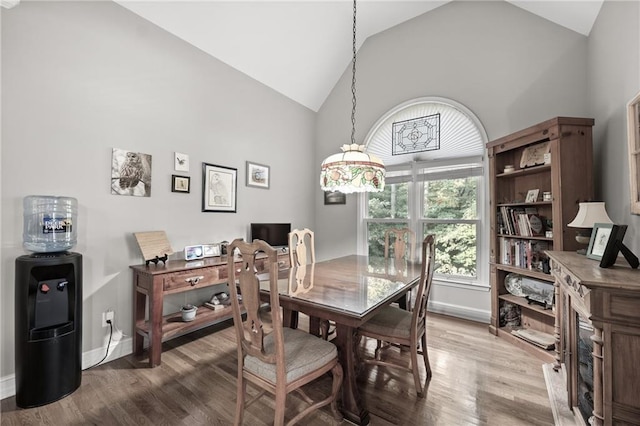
column 599, row 239
column 335, row 198
column 258, row 175
column 193, row 252
column 211, row 250
column 180, row 184
column 181, row 162
column 532, row 196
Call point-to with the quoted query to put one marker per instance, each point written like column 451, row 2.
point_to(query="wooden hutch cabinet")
column 598, row 338
column 517, row 165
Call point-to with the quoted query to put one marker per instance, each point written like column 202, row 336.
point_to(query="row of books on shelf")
column 526, row 254
column 520, row 221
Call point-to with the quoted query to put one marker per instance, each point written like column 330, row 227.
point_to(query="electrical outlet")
column 107, row 316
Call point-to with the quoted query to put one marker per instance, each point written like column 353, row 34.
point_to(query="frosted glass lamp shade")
column 352, row 171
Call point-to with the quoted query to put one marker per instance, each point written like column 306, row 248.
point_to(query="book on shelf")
column 525, row 222
column 525, row 254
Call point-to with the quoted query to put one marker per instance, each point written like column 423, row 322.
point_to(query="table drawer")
column 203, row 277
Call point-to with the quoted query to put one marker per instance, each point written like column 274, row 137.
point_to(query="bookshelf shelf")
column 516, row 245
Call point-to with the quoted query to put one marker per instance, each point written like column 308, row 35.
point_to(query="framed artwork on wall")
column 633, row 135
column 180, row 184
column 258, row 175
column 219, row 188
column 334, row 198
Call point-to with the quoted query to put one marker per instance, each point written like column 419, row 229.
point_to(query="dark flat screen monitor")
column 275, row 234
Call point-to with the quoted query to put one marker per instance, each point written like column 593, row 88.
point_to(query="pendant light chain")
column 353, row 79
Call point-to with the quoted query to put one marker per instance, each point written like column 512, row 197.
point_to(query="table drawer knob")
column 194, row 280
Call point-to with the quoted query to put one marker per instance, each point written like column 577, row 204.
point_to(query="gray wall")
column 81, row 78
column 511, row 68
column 614, row 79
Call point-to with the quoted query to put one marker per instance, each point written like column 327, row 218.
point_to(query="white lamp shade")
column 590, row 214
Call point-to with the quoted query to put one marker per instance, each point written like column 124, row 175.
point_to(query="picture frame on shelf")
column 334, row 198
column 211, row 250
column 219, row 188
column 180, row 184
column 534, row 155
column 599, row 238
column 258, row 175
column 532, row 196
column 193, row 252
column 615, row 246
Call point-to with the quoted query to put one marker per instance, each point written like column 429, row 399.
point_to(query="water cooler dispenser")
column 48, row 304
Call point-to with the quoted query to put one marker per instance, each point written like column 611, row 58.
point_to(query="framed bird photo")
column 130, row 173
column 181, row 162
column 219, row 188
column 180, row 184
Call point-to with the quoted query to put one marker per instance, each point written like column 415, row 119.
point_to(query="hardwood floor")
column 478, row 379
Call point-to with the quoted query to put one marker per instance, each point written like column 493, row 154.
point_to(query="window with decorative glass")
column 433, row 149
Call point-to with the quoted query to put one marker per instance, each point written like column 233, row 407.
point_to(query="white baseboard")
column 459, row 311
column 118, row 349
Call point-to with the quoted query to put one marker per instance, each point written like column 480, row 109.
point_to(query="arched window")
column 433, row 150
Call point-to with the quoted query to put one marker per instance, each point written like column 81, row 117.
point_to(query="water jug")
column 49, row 223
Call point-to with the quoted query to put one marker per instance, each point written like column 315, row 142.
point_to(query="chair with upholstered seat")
column 401, row 243
column 301, row 242
column 284, row 359
column 394, row 326
column 302, row 252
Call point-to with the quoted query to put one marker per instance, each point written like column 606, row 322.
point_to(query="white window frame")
column 416, row 190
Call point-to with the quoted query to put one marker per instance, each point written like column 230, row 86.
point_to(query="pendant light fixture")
column 352, row 170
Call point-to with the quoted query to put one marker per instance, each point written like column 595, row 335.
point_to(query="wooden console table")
column 608, row 299
column 151, row 283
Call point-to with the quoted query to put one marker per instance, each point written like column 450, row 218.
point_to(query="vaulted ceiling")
column 301, row 48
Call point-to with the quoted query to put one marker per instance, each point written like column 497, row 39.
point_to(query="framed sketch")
column 181, row 162
column 533, row 155
column 633, row 135
column 599, row 238
column 193, row 252
column 532, row 196
column 219, row 188
column 258, row 175
column 210, row 250
column 335, row 198
column 180, row 184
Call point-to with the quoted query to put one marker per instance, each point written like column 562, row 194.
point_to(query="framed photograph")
column 335, row 198
column 193, row 252
column 130, row 173
column 181, row 162
column 211, row 250
column 613, row 247
column 219, row 188
column 599, row 239
column 532, row 196
column 180, row 184
column 258, row 175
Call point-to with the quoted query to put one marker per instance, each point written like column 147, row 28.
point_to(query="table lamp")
column 588, row 215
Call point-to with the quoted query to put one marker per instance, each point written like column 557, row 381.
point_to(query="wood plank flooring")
column 478, row 379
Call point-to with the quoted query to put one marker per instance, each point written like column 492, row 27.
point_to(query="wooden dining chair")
column 280, row 361
column 393, row 326
column 401, row 242
column 301, row 243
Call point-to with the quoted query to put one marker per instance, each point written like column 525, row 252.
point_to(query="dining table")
column 347, row 291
